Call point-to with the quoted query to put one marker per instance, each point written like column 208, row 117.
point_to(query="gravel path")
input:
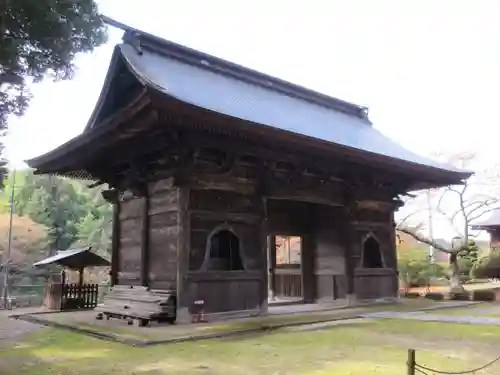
column 11, row 330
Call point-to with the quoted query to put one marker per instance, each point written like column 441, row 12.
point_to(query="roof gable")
column 120, row 88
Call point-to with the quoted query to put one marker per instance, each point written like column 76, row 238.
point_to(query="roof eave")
column 436, row 177
column 45, row 163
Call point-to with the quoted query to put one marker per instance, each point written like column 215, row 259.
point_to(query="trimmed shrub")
column 483, row 295
column 465, row 279
column 461, row 296
column 411, row 295
column 435, row 296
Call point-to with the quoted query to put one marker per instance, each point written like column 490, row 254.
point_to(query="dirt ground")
column 12, row 330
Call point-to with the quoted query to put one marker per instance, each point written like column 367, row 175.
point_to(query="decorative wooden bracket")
column 228, row 163
column 111, row 195
column 136, row 180
column 184, row 165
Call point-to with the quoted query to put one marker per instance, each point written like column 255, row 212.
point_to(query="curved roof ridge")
column 139, row 39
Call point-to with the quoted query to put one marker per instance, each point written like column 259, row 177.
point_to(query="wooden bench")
column 139, row 305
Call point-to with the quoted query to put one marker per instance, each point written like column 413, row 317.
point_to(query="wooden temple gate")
column 208, row 162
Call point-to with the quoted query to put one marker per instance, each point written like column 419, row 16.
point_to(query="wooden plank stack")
column 138, row 304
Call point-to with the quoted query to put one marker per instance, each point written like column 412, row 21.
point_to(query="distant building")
column 492, row 227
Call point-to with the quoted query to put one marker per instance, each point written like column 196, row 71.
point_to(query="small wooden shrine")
column 208, row 163
column 71, row 296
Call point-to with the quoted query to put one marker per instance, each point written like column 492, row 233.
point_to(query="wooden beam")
column 145, row 241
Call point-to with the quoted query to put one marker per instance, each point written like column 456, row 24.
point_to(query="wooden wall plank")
column 183, row 245
column 163, row 232
column 129, row 255
column 115, row 243
column 145, row 241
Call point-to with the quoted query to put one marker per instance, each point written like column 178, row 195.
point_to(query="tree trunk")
column 455, row 283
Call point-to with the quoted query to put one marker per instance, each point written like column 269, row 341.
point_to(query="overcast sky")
column 428, row 70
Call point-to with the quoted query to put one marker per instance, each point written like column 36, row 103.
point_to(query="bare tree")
column 459, row 206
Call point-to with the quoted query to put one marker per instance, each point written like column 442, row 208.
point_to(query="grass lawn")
column 376, row 347
column 120, row 329
column 485, row 309
column 446, row 288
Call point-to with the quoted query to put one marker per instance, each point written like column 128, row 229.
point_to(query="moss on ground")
column 376, row 347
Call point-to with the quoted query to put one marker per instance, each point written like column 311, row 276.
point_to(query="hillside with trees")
column 51, row 213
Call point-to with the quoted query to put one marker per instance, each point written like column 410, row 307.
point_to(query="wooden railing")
column 71, row 296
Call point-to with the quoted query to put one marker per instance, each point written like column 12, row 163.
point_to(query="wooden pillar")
column 261, row 191
column 80, row 287
column 115, row 243
column 264, row 256
column 308, row 253
column 348, row 238
column 63, row 277
column 183, row 246
column 80, row 277
column 271, row 264
column 61, row 290
column 145, row 240
column 393, row 255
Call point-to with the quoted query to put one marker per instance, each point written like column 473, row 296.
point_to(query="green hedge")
column 411, row 295
column 483, row 295
column 460, row 296
column 435, row 296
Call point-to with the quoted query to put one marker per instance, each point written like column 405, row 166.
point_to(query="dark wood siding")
column 375, row 221
column 129, row 258
column 329, row 254
column 225, row 291
column 163, row 234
